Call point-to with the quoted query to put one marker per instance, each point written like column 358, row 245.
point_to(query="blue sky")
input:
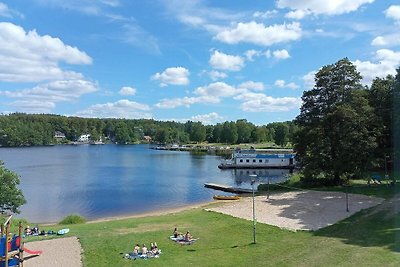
column 208, row 61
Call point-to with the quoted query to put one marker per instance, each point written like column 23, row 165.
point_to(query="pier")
column 227, row 188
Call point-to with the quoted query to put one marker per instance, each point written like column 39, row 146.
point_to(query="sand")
column 61, row 252
column 303, row 210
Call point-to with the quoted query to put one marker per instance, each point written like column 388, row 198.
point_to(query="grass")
column 73, row 219
column 369, row 238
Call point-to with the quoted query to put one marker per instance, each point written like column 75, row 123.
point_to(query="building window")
column 260, row 160
column 247, row 160
column 254, row 160
column 241, row 160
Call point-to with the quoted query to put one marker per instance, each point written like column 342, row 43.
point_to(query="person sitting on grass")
column 144, row 251
column 177, row 233
column 28, row 230
column 136, row 250
column 154, row 249
column 188, row 237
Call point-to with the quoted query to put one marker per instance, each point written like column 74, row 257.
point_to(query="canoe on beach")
column 219, row 197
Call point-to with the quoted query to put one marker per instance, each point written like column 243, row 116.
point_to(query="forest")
column 19, row 129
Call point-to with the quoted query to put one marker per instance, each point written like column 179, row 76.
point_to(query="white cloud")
column 297, row 14
column 328, row 7
column 127, row 90
column 216, row 75
column 281, row 54
column 257, row 102
column 387, row 40
column 250, row 54
column 121, row 109
column 393, row 12
column 283, row 84
column 43, row 97
column 217, row 89
column 265, row 15
column 186, row 101
column 250, row 85
column 32, row 106
column 29, row 57
column 7, row 12
column 260, row 34
column 387, row 62
column 223, row 61
column 55, row 91
column 210, row 118
column 309, row 80
column 175, row 76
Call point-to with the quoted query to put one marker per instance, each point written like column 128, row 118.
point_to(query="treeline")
column 347, row 129
column 19, row 129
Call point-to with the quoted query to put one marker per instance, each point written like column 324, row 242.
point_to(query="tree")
column 11, row 198
column 334, row 139
column 282, row 134
column 244, row 130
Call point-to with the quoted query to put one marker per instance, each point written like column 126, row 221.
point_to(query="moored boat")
column 255, row 159
column 219, row 197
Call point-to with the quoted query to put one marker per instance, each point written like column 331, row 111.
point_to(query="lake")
column 98, row 181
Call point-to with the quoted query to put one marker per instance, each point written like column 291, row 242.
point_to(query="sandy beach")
column 304, row 210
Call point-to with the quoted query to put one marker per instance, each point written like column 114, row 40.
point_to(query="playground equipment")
column 11, row 246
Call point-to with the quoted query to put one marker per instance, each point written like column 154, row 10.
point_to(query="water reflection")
column 242, row 176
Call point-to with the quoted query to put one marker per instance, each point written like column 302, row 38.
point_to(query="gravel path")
column 61, row 252
column 305, row 210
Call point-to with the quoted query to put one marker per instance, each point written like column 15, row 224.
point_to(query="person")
column 136, row 250
column 28, row 230
column 154, row 249
column 188, row 236
column 176, row 233
column 144, row 250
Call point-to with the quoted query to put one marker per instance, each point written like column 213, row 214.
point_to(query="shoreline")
column 158, row 212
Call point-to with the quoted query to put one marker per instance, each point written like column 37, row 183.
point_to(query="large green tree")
column 11, row 198
column 334, row 139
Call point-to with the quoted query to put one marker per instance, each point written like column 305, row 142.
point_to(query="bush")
column 73, row 219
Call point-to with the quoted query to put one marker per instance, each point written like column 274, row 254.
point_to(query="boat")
column 254, row 159
column 219, row 197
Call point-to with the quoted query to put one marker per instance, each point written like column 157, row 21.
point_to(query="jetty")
column 230, row 189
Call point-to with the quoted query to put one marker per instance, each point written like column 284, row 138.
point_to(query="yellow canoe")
column 219, row 197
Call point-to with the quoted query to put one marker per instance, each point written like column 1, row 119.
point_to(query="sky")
column 208, row 61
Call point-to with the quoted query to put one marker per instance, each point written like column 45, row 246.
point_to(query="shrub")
column 73, row 219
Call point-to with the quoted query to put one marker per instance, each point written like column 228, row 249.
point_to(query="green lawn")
column 369, row 238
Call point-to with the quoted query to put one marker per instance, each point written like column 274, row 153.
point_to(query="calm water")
column 111, row 180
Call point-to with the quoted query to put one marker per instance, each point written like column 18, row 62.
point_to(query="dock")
column 230, row 189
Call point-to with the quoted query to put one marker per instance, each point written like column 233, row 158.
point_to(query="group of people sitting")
column 178, row 236
column 31, row 231
column 144, row 252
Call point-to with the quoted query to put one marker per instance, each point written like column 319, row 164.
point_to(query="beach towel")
column 182, row 241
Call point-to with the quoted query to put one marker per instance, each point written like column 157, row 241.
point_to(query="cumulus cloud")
column 43, row 97
column 260, row 34
column 386, row 63
column 212, row 93
column 393, row 12
column 30, row 57
column 283, row 84
column 121, row 109
column 387, row 40
column 281, row 54
column 328, row 7
column 210, row 118
column 127, row 90
column 174, row 75
column 223, row 61
column 55, row 91
column 216, row 75
column 297, row 14
column 217, row 89
column 258, row 102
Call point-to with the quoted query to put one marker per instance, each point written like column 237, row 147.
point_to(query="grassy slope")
column 366, row 239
